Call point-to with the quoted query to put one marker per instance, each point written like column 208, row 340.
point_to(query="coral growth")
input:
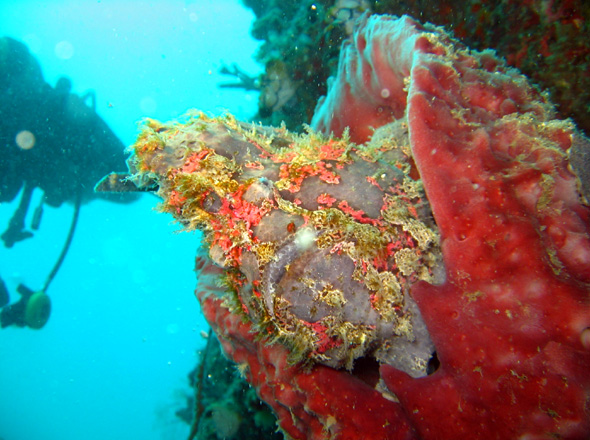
column 227, row 406
column 320, row 239
column 510, row 323
column 547, row 40
column 457, row 226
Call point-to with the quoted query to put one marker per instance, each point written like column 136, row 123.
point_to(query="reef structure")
column 320, row 239
column 510, row 323
column 451, row 216
column 545, row 39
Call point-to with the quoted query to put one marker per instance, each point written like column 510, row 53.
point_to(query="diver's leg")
column 15, row 231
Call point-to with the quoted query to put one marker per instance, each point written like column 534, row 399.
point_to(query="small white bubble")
column 385, row 93
column 193, row 17
column 25, row 140
column 64, row 50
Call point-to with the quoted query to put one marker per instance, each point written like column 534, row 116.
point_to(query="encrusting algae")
column 319, row 238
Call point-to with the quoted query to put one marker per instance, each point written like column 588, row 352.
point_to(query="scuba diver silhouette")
column 52, row 140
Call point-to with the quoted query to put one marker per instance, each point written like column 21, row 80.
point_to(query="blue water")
column 112, row 361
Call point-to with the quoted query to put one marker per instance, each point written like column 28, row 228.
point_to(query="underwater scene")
column 270, row 219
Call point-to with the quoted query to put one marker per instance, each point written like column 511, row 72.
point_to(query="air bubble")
column 64, row 50
column 25, row 140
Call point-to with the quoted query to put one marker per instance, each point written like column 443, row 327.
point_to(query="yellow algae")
column 255, row 192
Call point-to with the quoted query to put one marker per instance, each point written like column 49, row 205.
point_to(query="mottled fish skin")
column 319, row 238
column 579, row 156
column 276, row 269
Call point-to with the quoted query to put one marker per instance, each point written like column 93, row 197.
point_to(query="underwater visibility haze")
column 112, row 362
column 382, row 208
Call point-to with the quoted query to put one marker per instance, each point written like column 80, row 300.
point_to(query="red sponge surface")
column 511, row 321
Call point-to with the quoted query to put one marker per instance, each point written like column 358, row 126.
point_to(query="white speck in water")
column 64, row 50
column 25, row 140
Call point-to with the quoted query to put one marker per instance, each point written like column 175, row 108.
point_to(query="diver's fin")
column 120, row 183
column 25, row 291
column 38, row 214
column 31, row 310
column 16, row 231
column 14, row 314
